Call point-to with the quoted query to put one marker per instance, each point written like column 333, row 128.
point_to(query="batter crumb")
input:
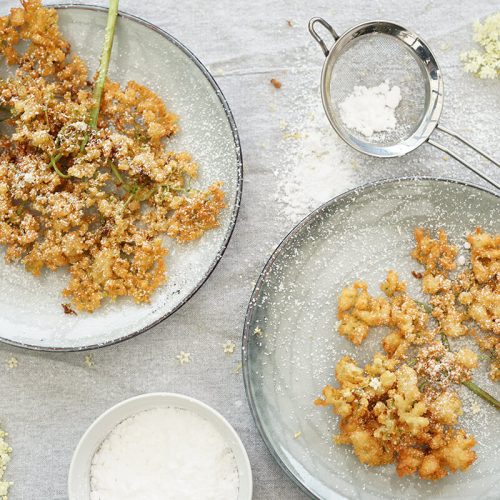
column 276, row 83
column 68, row 309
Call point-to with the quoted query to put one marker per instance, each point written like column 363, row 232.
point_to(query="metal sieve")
column 379, row 51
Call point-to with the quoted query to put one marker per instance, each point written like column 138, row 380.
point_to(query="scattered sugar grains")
column 312, row 169
column 5, row 452
column 164, row 453
column 310, row 165
column 371, row 109
column 485, row 63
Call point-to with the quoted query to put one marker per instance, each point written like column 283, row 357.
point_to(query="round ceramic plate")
column 290, row 345
column 79, row 471
column 30, row 309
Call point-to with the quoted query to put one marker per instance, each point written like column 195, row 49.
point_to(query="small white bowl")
column 79, row 471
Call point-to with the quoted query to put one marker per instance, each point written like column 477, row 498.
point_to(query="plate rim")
column 265, row 272
column 237, row 199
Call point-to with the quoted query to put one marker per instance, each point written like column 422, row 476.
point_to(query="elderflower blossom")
column 183, row 357
column 5, row 453
column 486, row 63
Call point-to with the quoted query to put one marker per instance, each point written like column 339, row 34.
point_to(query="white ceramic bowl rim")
column 231, row 434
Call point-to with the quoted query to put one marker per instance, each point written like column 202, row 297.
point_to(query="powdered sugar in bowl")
column 160, row 446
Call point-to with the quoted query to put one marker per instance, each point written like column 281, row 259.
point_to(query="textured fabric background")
column 49, row 400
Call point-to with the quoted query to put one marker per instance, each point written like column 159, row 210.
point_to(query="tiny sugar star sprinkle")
column 229, row 347
column 12, row 362
column 183, row 357
column 475, row 408
column 257, row 331
column 89, row 360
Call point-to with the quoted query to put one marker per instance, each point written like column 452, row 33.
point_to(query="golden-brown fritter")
column 387, row 418
column 402, row 408
column 99, row 202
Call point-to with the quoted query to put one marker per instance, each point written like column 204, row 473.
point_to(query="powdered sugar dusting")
column 314, row 168
column 311, row 163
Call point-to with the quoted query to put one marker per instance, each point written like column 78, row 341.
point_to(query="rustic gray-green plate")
column 30, row 310
column 358, row 235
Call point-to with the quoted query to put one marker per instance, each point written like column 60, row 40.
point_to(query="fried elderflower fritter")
column 402, row 408
column 386, row 418
column 97, row 201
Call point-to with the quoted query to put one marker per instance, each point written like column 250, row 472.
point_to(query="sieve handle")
column 464, row 162
column 467, row 143
column 315, row 35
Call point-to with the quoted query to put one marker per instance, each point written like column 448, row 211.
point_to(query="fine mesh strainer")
column 380, row 51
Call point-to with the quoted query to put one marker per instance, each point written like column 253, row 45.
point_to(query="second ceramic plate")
column 30, row 310
column 291, row 347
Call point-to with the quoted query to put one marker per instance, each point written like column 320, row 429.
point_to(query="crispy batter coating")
column 435, row 255
column 450, row 317
column 358, row 311
column 46, row 54
column 485, row 255
column 471, row 297
column 491, row 345
column 402, row 408
column 440, row 367
column 392, row 285
column 101, row 209
column 192, row 218
column 137, row 112
column 387, row 419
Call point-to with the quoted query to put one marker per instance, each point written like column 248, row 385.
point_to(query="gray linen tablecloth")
column 48, row 401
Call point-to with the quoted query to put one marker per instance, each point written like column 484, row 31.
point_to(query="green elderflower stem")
column 471, row 385
column 100, row 81
column 102, row 73
column 482, row 394
column 53, row 164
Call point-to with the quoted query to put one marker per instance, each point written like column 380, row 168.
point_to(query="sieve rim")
column 427, row 62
